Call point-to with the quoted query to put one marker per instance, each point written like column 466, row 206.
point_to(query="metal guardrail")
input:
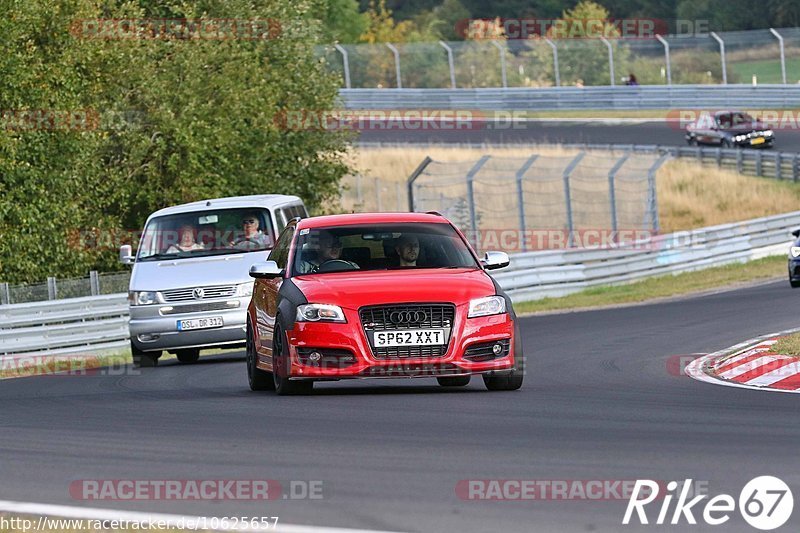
column 71, row 325
column 100, row 322
column 761, row 163
column 535, row 275
column 554, row 98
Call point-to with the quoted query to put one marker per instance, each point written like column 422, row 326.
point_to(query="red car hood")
column 356, row 289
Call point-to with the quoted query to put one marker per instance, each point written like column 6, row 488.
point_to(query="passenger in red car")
column 407, row 249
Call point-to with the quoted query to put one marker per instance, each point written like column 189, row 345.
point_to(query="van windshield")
column 204, row 233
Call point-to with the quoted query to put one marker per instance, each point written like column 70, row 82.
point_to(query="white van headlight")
column 490, row 305
column 245, row 289
column 143, row 297
column 795, row 251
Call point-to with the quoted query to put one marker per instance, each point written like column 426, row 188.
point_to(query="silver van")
column 190, row 284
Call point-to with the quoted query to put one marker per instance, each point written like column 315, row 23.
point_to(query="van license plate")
column 200, row 323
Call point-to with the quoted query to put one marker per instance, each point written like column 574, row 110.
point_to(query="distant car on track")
column 729, row 129
column 379, row 295
column 794, row 261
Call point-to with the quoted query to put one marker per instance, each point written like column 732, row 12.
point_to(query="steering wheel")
column 337, row 265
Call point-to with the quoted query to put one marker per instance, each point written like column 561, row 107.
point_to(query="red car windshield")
column 380, row 247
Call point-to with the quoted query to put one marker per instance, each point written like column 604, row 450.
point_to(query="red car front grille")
column 407, row 317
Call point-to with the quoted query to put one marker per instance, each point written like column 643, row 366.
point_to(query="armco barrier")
column 72, row 325
column 554, row 98
column 537, row 275
column 101, row 322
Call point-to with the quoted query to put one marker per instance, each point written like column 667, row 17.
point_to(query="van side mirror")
column 796, row 233
column 266, row 270
column 126, row 254
column 494, row 260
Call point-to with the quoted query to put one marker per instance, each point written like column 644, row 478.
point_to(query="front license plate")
column 759, row 140
column 200, row 323
column 409, row 337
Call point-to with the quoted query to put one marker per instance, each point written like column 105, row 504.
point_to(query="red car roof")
column 368, row 218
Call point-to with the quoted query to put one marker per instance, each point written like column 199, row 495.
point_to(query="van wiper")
column 159, row 256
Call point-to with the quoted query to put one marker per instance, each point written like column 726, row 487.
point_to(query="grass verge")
column 788, row 345
column 662, row 286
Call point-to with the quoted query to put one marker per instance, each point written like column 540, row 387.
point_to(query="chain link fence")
column 529, row 202
column 745, row 57
column 56, row 289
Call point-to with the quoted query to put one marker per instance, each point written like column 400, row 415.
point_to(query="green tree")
column 201, row 118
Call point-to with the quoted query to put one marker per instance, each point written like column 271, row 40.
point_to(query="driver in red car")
column 407, row 249
column 328, row 248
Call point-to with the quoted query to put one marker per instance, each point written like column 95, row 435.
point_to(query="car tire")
column 188, row 356
column 453, row 381
column 257, row 379
column 144, row 359
column 725, row 144
column 509, row 380
column 280, row 366
column 692, row 141
column 794, row 284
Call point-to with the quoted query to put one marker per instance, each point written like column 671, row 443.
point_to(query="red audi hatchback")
column 379, row 296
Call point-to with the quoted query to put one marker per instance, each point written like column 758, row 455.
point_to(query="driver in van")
column 252, row 237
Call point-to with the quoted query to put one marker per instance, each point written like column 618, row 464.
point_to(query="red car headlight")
column 320, row 313
column 490, row 305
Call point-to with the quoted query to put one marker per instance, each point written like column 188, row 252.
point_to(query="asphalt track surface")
column 599, row 403
column 551, row 132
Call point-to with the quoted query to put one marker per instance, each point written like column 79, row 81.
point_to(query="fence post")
column 783, row 54
column 739, row 162
column 396, row 53
column 378, row 195
column 612, row 193
column 778, row 163
column 359, row 192
column 450, row 64
column 567, row 196
column 651, row 185
column 794, row 167
column 719, row 157
column 398, row 194
column 520, row 175
column 722, row 55
column 502, row 63
column 555, row 61
column 413, row 177
column 473, row 217
column 345, row 64
column 666, row 56
column 758, row 163
column 94, row 283
column 52, row 290
column 610, row 59
column 5, row 294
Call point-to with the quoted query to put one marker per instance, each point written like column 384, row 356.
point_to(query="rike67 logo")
column 765, row 503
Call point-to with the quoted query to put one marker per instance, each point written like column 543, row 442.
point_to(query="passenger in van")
column 252, row 238
column 187, row 242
